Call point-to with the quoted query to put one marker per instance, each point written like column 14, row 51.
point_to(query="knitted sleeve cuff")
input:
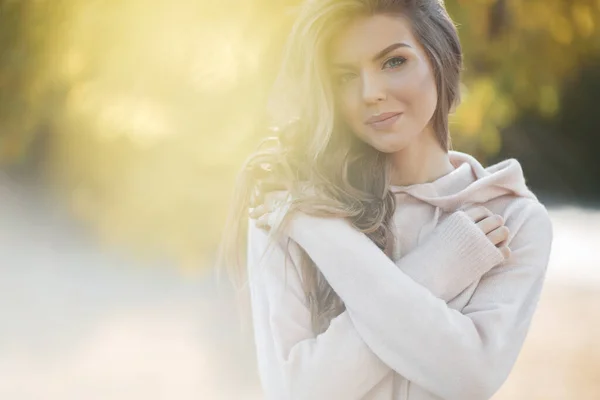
column 453, row 256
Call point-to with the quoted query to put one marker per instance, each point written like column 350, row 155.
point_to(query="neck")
column 422, row 161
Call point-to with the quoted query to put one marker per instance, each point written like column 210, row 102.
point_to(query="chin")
column 388, row 143
column 389, row 149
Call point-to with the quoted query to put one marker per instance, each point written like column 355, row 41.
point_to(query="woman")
column 382, row 265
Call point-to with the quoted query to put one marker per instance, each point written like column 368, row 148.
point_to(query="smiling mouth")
column 384, row 123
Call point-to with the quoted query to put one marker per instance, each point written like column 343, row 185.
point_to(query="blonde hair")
column 328, row 172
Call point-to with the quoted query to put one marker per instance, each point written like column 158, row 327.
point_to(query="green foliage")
column 517, row 56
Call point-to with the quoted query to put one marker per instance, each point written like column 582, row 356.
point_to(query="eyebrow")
column 380, row 54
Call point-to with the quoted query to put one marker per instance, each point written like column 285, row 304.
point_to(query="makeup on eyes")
column 401, row 60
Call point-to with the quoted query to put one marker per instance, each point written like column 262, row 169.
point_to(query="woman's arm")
column 453, row 355
column 338, row 363
column 456, row 254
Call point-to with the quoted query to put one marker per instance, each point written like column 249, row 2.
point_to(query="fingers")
column 258, row 211
column 262, row 187
column 261, row 215
column 498, row 235
column 486, row 220
column 259, row 172
column 477, row 213
column 262, row 212
column 270, row 202
column 262, row 222
column 492, row 225
column 505, row 251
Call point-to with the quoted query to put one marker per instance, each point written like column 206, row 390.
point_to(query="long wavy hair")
column 328, row 171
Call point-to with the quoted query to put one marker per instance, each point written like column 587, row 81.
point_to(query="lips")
column 381, row 117
column 383, row 121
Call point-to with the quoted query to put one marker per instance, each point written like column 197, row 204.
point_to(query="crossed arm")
column 396, row 316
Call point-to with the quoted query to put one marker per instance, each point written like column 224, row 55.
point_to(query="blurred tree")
column 149, row 110
column 517, row 55
column 13, row 102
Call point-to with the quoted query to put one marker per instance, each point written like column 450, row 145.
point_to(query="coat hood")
column 470, row 183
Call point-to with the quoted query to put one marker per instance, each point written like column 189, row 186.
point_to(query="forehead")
column 362, row 37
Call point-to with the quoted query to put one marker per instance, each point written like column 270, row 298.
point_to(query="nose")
column 373, row 91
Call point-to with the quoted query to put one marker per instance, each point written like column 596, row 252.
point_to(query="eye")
column 345, row 78
column 394, row 62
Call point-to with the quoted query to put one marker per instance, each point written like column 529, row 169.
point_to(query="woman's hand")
column 269, row 202
column 492, row 225
column 266, row 197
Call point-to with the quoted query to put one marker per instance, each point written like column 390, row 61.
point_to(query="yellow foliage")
column 490, row 140
column 153, row 108
column 561, row 29
column 584, row 22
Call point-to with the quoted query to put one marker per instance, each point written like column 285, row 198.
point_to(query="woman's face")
column 385, row 90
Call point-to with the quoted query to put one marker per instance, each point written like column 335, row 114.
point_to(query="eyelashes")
column 393, row 62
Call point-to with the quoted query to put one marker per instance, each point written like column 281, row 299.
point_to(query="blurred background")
column 123, row 125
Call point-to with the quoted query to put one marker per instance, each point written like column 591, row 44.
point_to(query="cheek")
column 418, row 92
column 348, row 108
